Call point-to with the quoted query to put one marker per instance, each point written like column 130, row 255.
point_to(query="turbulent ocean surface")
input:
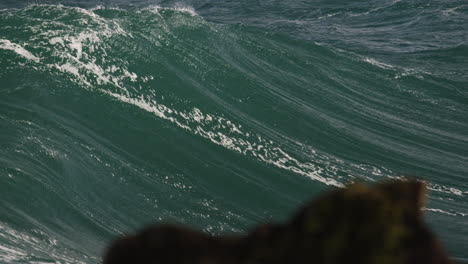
column 221, row 114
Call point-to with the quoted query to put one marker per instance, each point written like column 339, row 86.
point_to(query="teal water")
column 116, row 114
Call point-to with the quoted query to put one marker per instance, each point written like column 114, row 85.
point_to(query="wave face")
column 221, row 115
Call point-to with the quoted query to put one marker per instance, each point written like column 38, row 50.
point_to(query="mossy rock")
column 381, row 224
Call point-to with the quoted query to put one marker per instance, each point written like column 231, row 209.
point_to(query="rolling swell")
column 112, row 118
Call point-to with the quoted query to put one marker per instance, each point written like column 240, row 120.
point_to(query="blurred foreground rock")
column 358, row 224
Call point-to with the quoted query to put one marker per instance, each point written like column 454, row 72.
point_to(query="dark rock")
column 359, row 224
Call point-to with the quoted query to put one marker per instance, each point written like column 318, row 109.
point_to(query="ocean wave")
column 117, row 116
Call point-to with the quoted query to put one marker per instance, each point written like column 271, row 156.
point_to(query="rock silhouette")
column 358, row 224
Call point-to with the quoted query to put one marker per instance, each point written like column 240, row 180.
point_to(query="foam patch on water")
column 10, row 254
column 82, row 53
column 378, row 63
column 178, row 7
column 399, row 71
column 329, row 15
column 445, row 212
column 453, row 11
column 185, row 9
column 101, row 7
column 8, row 45
column 31, row 249
column 223, row 132
column 445, row 189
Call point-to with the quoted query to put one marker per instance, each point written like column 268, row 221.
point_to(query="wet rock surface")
column 381, row 224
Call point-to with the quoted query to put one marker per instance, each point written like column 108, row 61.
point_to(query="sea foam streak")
column 8, row 45
column 264, row 150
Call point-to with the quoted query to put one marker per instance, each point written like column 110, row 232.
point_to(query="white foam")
column 101, row 7
column 67, row 67
column 27, row 246
column 178, row 7
column 56, row 40
column 445, row 212
column 8, row 45
column 80, row 50
column 452, row 11
column 76, row 43
column 223, row 132
column 438, row 211
column 185, row 9
column 378, row 63
column 9, row 254
column 445, row 189
column 329, row 15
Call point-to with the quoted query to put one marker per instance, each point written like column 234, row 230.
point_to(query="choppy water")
column 115, row 114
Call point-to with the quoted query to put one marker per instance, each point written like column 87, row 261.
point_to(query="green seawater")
column 117, row 114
